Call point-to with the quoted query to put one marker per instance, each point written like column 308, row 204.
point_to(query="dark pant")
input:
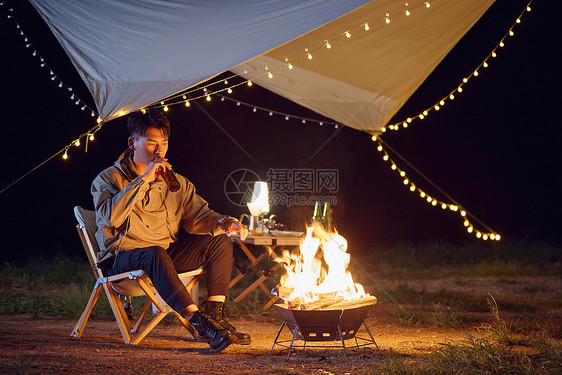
column 189, row 253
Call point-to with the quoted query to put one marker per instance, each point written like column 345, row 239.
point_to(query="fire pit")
column 334, row 324
column 323, row 303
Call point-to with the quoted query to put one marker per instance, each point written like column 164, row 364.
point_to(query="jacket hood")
column 125, row 164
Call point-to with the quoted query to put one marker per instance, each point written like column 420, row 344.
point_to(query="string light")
column 434, row 202
column 465, row 80
column 272, row 112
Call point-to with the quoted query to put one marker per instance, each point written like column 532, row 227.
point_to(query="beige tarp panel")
column 362, row 81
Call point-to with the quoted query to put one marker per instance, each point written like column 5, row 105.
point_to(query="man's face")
column 151, row 145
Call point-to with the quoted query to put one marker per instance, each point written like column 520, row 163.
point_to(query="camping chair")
column 129, row 284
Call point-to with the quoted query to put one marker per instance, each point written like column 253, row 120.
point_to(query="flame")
column 319, row 269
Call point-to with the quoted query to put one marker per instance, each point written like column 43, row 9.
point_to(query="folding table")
column 266, row 245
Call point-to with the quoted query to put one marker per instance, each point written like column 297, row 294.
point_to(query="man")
column 142, row 224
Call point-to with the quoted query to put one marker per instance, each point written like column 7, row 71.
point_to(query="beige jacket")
column 132, row 213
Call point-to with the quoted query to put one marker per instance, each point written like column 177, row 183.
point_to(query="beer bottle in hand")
column 170, row 178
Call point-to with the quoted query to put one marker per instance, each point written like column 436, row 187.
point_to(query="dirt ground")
column 44, row 346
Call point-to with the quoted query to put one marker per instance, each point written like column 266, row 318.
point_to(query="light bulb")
column 442, row 102
column 404, row 124
column 366, row 26
column 463, row 213
column 406, row 182
column 91, row 137
column 255, row 109
column 208, row 98
column 425, row 113
column 437, row 108
column 485, row 237
column 387, row 20
column 465, row 80
column 422, row 194
column 271, row 113
column 142, row 110
column 429, row 199
column 485, row 65
column 347, row 34
column 470, row 229
column 511, row 33
column 466, row 223
column 502, row 44
column 407, row 12
column 518, row 21
column 421, row 117
column 427, row 4
column 434, row 202
column 478, row 234
column 393, row 167
column 476, row 73
column 494, row 54
column 409, row 119
column 492, row 236
column 187, row 103
column 383, row 129
column 412, row 188
column 98, row 120
column 374, row 138
column 444, row 206
column 269, row 75
column 77, row 143
column 287, row 118
column 385, row 157
column 328, row 45
column 229, row 90
column 249, row 83
column 528, row 9
column 65, row 156
column 379, row 148
column 184, row 97
column 402, row 173
column 459, row 89
column 290, row 66
column 451, row 97
column 497, row 237
column 165, row 108
column 225, row 82
column 309, row 56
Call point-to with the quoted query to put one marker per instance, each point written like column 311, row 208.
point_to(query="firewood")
column 323, row 303
column 371, row 300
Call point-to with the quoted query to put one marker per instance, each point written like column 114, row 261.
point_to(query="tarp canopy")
column 133, row 53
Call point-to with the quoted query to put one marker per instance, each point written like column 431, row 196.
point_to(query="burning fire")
column 318, row 270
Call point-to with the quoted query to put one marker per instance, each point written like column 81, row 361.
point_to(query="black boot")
column 208, row 328
column 217, row 311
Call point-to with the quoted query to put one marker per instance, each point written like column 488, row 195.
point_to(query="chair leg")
column 144, row 311
column 81, row 324
column 190, row 329
column 149, row 327
column 115, row 304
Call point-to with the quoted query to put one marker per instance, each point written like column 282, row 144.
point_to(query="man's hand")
column 154, row 167
column 232, row 225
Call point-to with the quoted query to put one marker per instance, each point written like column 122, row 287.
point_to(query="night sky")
column 495, row 149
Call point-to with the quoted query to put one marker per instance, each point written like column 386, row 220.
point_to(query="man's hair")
column 138, row 122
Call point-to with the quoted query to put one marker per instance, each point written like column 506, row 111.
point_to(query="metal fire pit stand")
column 313, row 326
